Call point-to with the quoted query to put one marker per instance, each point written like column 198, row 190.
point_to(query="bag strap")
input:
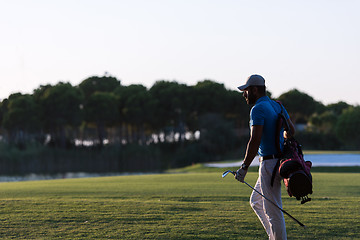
column 279, row 124
column 274, row 172
column 287, row 126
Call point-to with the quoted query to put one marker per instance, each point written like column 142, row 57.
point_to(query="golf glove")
column 240, row 174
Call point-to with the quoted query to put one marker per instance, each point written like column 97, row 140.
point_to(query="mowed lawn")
column 170, row 206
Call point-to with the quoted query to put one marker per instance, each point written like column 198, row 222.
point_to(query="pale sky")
column 311, row 45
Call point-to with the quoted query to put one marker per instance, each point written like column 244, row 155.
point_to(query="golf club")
column 234, row 173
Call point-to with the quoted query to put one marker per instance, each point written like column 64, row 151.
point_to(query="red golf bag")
column 292, row 166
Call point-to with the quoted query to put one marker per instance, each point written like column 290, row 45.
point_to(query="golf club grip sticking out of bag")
column 234, row 173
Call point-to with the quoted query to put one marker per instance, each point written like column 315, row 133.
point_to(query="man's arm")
column 292, row 129
column 253, row 144
column 251, row 151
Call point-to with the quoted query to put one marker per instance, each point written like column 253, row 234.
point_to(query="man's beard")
column 251, row 99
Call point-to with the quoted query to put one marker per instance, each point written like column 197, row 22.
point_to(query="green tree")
column 337, row 108
column 324, row 122
column 348, row 127
column 60, row 108
column 210, row 97
column 216, row 134
column 137, row 110
column 98, row 84
column 3, row 109
column 101, row 109
column 300, row 105
column 174, row 107
column 21, row 118
column 236, row 109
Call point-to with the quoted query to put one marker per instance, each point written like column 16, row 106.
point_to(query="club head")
column 227, row 172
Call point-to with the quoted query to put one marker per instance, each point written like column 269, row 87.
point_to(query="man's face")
column 249, row 95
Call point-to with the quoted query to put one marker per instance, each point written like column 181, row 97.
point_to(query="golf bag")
column 295, row 171
column 292, row 166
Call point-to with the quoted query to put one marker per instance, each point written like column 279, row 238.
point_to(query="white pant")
column 270, row 216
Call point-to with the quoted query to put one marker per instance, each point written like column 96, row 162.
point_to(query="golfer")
column 263, row 117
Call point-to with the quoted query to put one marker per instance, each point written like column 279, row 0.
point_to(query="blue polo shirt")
column 265, row 112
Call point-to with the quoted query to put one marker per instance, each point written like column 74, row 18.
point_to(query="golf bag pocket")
column 298, row 183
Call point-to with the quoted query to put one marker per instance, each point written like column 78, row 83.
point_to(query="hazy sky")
column 311, row 45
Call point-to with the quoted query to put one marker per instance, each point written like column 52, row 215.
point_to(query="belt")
column 267, row 157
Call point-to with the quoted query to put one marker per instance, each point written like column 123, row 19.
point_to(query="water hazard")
column 318, row 160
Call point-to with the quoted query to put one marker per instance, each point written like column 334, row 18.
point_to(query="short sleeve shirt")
column 265, row 113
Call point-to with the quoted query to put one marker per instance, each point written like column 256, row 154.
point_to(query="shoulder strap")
column 274, row 172
column 287, row 127
column 279, row 124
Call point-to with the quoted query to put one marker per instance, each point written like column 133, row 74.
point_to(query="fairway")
column 170, row 206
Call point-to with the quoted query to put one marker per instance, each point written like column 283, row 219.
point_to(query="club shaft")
column 276, row 205
column 282, row 210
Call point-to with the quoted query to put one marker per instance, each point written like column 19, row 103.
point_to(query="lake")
column 333, row 159
column 317, row 160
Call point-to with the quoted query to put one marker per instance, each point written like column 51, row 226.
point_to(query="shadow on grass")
column 211, row 199
column 353, row 169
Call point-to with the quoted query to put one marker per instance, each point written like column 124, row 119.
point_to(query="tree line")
column 101, row 108
column 206, row 118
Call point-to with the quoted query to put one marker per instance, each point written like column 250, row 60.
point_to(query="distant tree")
column 101, row 109
column 236, row 109
column 348, row 127
column 21, row 118
column 38, row 95
column 210, row 97
column 337, row 108
column 3, row 109
column 137, row 110
column 174, row 106
column 324, row 122
column 300, row 105
column 216, row 134
column 98, row 84
column 60, row 108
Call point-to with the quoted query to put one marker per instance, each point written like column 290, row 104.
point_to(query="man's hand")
column 240, row 174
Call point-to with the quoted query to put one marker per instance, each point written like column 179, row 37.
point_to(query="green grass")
column 170, row 206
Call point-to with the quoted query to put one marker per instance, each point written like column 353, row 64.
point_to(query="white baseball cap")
column 253, row 80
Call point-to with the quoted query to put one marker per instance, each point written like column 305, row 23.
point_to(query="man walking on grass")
column 263, row 117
